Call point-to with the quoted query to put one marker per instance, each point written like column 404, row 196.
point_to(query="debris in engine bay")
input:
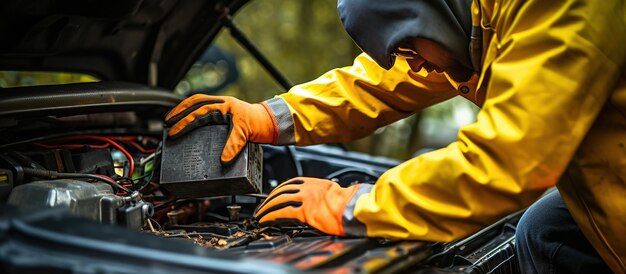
column 213, row 240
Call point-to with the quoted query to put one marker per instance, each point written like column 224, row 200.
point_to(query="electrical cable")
column 74, row 133
column 58, row 175
column 142, row 176
column 145, row 184
column 110, row 141
column 155, row 167
column 124, row 191
column 157, row 223
column 190, row 234
column 143, row 161
column 132, row 140
column 126, row 179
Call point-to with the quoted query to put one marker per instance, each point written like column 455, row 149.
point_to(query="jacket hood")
column 377, row 26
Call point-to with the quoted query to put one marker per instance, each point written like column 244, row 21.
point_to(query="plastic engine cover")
column 94, row 201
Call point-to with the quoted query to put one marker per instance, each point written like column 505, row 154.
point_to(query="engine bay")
column 116, row 180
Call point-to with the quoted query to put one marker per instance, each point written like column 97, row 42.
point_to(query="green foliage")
column 302, row 38
column 35, row 78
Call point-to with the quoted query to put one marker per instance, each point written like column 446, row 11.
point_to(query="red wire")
column 108, row 140
column 122, row 138
column 118, row 191
column 133, row 141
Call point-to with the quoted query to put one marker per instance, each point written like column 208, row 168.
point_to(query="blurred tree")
column 302, row 38
column 35, row 78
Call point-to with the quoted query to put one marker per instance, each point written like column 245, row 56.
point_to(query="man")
column 548, row 76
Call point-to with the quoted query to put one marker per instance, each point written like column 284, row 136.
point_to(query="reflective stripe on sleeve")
column 281, row 112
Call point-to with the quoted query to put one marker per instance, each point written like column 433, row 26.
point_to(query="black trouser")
column 548, row 240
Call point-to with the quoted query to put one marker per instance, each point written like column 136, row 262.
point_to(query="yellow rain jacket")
column 553, row 105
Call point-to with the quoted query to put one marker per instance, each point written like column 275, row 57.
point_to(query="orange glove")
column 253, row 122
column 320, row 203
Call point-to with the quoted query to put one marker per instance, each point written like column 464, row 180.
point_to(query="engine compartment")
column 90, row 175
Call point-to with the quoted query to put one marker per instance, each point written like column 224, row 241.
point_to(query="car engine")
column 90, row 176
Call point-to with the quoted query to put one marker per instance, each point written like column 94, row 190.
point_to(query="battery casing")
column 191, row 167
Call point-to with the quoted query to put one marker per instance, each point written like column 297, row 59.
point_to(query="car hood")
column 150, row 42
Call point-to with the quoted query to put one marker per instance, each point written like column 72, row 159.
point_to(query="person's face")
column 423, row 53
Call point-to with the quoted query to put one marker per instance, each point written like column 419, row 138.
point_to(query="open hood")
column 150, row 42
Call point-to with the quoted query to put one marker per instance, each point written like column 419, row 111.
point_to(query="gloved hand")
column 253, row 122
column 320, row 203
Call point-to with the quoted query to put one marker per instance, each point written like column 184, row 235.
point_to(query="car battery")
column 191, row 167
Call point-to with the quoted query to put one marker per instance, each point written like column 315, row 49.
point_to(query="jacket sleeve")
column 555, row 66
column 349, row 103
